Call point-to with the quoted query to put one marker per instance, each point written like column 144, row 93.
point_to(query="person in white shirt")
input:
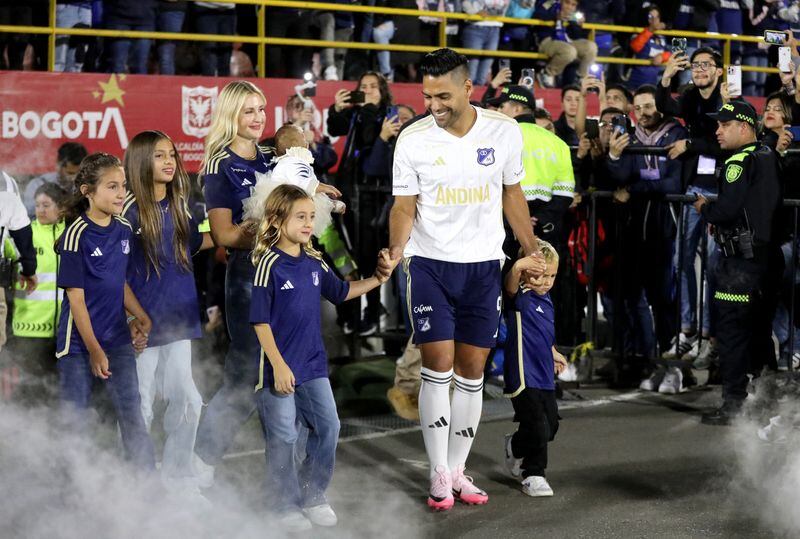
column 456, row 172
column 14, row 223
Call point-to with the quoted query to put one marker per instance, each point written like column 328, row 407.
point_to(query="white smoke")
column 767, row 473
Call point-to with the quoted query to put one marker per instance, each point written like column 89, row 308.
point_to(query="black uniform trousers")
column 745, row 303
column 536, row 410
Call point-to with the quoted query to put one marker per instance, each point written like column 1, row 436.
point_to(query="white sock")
column 434, row 414
column 465, row 416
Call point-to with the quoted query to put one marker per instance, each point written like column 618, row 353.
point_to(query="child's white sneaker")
column 321, row 515
column 513, row 465
column 536, row 486
column 294, row 521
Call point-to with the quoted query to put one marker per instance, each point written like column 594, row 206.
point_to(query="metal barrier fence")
column 262, row 40
column 681, row 201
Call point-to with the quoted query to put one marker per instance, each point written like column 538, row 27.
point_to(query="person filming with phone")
column 701, row 154
column 359, row 114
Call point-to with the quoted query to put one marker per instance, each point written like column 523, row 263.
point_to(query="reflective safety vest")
column 36, row 314
column 548, row 164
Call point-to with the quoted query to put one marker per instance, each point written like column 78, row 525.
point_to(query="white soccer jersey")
column 459, row 186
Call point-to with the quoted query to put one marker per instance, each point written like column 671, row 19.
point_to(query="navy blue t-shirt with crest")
column 94, row 258
column 287, row 293
column 528, row 359
column 229, row 179
column 169, row 297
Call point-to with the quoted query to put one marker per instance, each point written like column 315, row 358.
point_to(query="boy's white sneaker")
column 536, row 486
column 321, row 515
column 653, row 382
column 513, row 465
column 294, row 521
column 672, row 384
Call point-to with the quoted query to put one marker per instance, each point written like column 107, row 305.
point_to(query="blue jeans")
column 216, row 57
column 693, row 226
column 311, row 405
column 233, row 403
column 753, row 82
column 483, row 38
column 133, row 52
column 383, row 34
column 76, row 380
column 168, row 21
column 69, row 16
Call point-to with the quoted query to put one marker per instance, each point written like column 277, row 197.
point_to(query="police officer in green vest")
column 743, row 218
column 35, row 315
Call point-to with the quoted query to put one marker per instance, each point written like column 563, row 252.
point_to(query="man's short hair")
column 542, row 114
column 570, row 88
column 715, row 55
column 620, row 88
column 71, row 153
column 611, row 110
column 645, row 89
column 443, row 61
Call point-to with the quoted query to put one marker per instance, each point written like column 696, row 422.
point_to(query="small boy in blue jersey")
column 531, row 364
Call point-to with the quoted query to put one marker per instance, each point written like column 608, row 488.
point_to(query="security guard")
column 743, row 218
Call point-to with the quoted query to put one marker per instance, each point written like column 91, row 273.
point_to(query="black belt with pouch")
column 736, row 242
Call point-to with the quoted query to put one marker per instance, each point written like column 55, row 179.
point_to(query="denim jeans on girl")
column 476, row 36
column 233, row 403
column 168, row 21
column 76, row 380
column 312, row 406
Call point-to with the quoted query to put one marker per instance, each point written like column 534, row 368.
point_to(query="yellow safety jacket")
column 548, row 164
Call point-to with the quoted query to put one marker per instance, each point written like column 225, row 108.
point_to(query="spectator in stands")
column 383, row 32
column 695, row 16
column 71, row 14
column 13, row 46
column 565, row 125
column 138, row 15
column 70, row 155
column 544, row 119
column 700, row 154
column 502, row 78
column 334, row 26
column 215, row 18
column 648, row 46
column 482, row 35
column 518, row 37
column 612, row 96
column 728, row 19
column 288, row 62
column 429, row 26
column 171, row 14
column 362, row 123
column 564, row 43
column 618, row 96
column 646, row 262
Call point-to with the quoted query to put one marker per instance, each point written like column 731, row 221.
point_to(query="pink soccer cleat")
column 465, row 490
column 440, row 497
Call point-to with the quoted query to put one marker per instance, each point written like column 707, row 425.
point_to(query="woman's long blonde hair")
column 277, row 209
column 225, row 118
column 138, row 163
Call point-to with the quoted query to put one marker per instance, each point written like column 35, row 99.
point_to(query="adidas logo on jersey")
column 97, row 252
column 287, row 285
column 246, row 182
column 439, row 162
column 539, row 309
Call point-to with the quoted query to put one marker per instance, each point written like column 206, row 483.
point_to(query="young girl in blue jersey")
column 293, row 380
column 232, row 160
column 530, row 365
column 160, row 275
column 94, row 339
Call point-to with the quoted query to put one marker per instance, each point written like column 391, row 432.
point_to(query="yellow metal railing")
column 262, row 40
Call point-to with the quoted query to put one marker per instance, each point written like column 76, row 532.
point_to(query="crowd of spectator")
column 569, row 51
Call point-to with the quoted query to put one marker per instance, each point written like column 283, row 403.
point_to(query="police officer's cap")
column 738, row 110
column 520, row 94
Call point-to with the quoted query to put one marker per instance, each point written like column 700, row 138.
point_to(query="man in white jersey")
column 456, row 172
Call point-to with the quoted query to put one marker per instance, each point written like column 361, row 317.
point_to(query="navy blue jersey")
column 169, row 297
column 528, row 358
column 94, row 258
column 229, row 179
column 286, row 295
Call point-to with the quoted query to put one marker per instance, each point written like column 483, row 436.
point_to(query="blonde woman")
column 231, row 162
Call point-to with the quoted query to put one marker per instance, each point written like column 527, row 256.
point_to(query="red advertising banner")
column 40, row 111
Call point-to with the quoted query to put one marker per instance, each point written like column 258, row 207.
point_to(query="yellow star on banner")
column 111, row 91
